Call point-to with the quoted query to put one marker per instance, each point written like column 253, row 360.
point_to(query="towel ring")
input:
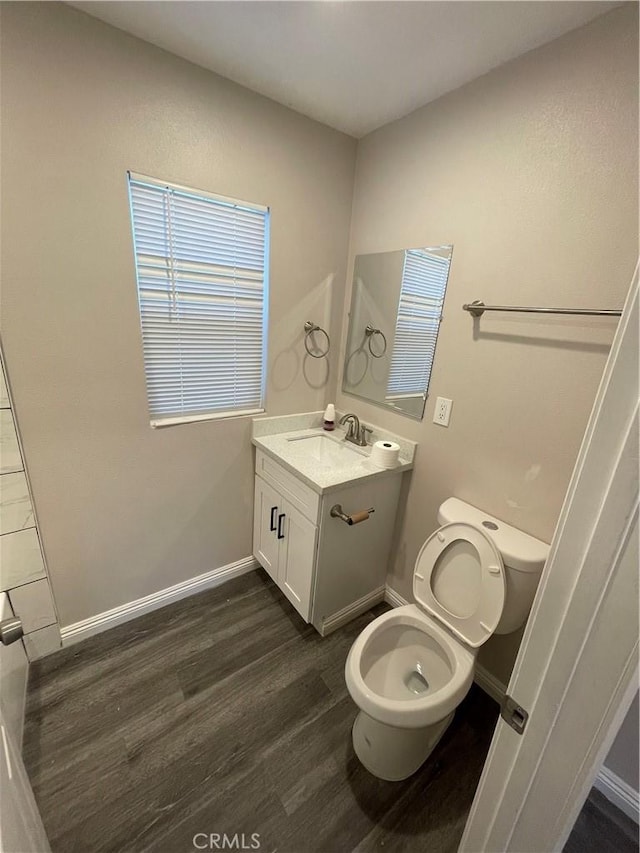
column 370, row 332
column 310, row 328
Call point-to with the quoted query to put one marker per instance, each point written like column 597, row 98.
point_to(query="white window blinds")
column 202, row 265
column 424, row 281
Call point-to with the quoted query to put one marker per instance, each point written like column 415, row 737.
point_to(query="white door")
column 577, row 669
column 297, row 552
column 14, row 669
column 267, row 512
column 21, row 829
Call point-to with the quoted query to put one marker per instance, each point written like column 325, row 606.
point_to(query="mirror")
column 396, row 307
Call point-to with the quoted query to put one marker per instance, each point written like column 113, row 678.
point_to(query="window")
column 424, row 281
column 201, row 263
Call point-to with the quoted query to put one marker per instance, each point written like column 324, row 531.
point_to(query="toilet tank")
column 523, row 556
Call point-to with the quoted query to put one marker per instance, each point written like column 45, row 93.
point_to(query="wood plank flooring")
column 602, row 828
column 225, row 713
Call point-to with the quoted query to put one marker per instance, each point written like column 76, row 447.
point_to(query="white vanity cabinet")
column 285, row 532
column 328, row 570
column 284, row 543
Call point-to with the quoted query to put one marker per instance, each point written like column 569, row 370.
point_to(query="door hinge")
column 514, row 714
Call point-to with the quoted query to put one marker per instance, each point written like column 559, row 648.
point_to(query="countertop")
column 292, row 455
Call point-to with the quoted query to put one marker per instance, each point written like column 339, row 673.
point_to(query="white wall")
column 532, row 173
column 126, row 511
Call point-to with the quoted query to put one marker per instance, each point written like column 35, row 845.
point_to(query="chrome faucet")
column 356, row 433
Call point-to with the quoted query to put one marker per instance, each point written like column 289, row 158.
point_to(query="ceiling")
column 352, row 65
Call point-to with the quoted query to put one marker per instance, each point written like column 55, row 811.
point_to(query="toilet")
column 411, row 667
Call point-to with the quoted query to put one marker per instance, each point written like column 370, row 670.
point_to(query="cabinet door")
column 268, row 505
column 297, row 553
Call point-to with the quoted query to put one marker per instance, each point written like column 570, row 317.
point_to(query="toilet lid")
column 459, row 578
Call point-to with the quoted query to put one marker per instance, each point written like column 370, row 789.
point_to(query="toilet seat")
column 459, row 579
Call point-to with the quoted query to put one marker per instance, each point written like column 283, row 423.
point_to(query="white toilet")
column 410, row 668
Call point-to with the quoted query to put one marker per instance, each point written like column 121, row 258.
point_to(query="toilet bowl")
column 408, row 676
column 411, row 667
column 405, row 670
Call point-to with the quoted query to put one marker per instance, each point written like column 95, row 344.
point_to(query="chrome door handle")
column 10, row 630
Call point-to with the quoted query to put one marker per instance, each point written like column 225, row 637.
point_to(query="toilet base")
column 392, row 753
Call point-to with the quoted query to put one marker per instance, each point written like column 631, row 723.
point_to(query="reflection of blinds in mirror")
column 424, row 281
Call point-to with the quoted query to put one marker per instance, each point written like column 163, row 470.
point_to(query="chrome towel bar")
column 477, row 308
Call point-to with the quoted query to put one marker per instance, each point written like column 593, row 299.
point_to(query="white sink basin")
column 326, row 451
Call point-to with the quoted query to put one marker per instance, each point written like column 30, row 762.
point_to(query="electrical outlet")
column 442, row 411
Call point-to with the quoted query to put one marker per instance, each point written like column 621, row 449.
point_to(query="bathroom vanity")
column 329, row 570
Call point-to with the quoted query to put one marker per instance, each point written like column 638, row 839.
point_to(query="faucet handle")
column 363, row 434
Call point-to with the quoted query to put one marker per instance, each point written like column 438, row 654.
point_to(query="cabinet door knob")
column 272, row 523
column 280, row 520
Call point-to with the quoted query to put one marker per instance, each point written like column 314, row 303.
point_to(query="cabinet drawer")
column 296, row 492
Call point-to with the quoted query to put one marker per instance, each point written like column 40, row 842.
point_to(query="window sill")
column 161, row 423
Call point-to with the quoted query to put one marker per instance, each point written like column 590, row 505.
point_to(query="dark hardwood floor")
column 602, row 828
column 225, row 713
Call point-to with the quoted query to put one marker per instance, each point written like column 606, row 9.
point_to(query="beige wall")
column 623, row 755
column 125, row 510
column 532, row 173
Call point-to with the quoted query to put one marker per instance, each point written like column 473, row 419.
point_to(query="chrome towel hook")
column 309, row 329
column 370, row 332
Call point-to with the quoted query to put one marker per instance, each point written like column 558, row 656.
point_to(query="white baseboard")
column 337, row 620
column 618, row 792
column 394, row 598
column 110, row 618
